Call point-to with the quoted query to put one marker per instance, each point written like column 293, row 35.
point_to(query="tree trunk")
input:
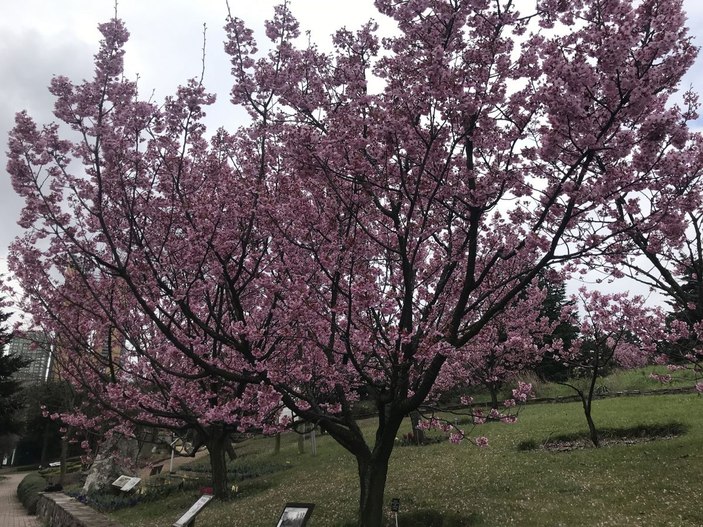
column 44, row 457
column 494, row 396
column 231, row 453
column 277, row 444
column 593, row 432
column 64, row 456
column 588, row 400
column 301, row 442
column 217, row 448
column 372, row 479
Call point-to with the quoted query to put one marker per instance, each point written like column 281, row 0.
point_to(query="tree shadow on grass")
column 609, row 437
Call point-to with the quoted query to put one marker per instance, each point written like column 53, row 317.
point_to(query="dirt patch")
column 608, row 437
column 567, row 446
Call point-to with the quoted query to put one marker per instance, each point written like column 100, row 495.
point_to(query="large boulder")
column 117, row 456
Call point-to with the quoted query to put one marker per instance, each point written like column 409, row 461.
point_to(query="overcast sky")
column 41, row 38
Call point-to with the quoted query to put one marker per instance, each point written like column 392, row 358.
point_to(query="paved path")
column 12, row 514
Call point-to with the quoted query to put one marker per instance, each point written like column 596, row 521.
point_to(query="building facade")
column 34, row 346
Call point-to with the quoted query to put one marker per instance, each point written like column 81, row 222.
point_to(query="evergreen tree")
column 11, row 399
column 551, row 368
column 687, row 307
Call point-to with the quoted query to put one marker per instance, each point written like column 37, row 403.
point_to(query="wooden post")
column 301, row 443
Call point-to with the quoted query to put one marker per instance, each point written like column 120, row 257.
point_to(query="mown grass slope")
column 656, row 483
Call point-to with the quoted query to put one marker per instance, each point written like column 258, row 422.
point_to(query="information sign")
column 121, row 481
column 295, row 514
column 133, row 482
column 191, row 513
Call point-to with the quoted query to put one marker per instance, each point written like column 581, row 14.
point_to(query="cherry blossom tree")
column 129, row 384
column 387, row 202
column 615, row 330
column 670, row 263
column 511, row 343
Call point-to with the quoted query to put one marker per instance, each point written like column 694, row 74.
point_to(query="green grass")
column 618, row 381
column 655, row 483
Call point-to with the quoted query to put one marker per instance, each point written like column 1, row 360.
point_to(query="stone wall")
column 55, row 509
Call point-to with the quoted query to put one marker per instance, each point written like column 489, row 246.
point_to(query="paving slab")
column 12, row 513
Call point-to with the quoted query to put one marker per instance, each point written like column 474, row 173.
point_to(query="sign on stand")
column 295, row 514
column 188, row 519
column 133, row 482
column 126, row 483
column 395, row 507
column 121, row 481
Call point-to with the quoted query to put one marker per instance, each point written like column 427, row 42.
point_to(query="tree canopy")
column 388, row 201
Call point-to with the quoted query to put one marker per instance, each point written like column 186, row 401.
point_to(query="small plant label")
column 133, row 482
column 194, row 510
column 295, row 515
column 121, row 481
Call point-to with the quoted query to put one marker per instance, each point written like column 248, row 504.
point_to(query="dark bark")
column 277, row 444
column 231, row 453
column 217, row 448
column 494, row 396
column 64, row 456
column 372, row 479
column 373, row 466
column 46, row 434
column 588, row 400
column 592, row 431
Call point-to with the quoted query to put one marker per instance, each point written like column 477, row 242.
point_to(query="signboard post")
column 121, row 482
column 313, row 442
column 395, row 507
column 133, row 482
column 295, row 514
column 188, row 519
column 126, row 483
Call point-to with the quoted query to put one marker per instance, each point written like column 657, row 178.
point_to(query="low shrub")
column 156, row 489
column 240, row 469
column 28, row 491
column 26, row 468
column 107, row 502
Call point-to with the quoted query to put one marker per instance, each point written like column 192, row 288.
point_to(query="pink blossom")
column 466, row 400
column 456, row 437
column 481, row 441
column 664, row 379
column 355, row 238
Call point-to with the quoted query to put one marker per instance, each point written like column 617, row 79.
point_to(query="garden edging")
column 59, row 510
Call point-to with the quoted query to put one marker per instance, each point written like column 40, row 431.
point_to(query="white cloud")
column 40, row 38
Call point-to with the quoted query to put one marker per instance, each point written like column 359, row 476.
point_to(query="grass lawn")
column 618, row 380
column 655, row 483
